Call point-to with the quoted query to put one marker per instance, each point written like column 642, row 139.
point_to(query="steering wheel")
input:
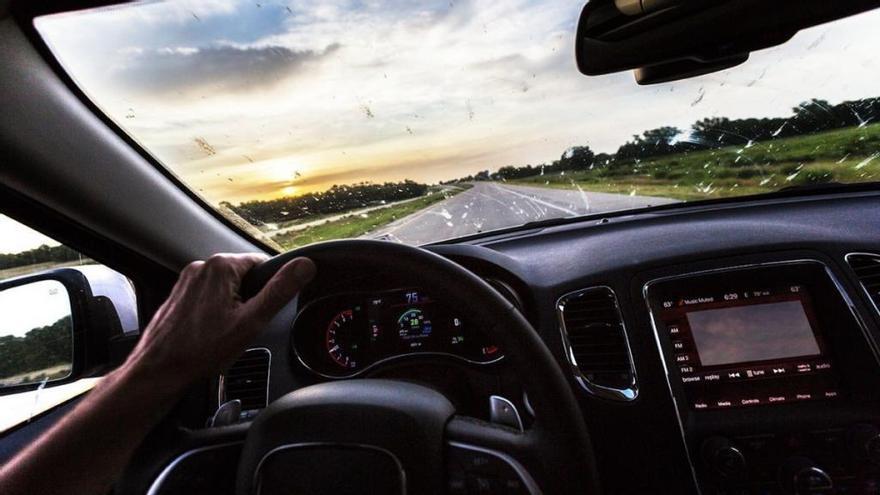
column 390, row 436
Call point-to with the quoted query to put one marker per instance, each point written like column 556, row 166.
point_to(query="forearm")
column 86, row 451
column 203, row 324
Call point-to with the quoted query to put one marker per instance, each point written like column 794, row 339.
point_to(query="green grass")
column 358, row 225
column 847, row 155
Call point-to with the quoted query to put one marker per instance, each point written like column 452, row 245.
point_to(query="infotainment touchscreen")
column 748, row 347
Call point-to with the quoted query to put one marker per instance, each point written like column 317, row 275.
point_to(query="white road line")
column 545, row 203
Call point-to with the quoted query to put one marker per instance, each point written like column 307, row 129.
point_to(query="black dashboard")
column 743, row 344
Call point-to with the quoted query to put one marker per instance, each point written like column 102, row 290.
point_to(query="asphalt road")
column 491, row 205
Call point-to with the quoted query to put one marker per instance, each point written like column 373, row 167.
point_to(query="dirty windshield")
column 423, row 121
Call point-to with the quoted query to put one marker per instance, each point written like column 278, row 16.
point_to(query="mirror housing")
column 666, row 40
column 103, row 310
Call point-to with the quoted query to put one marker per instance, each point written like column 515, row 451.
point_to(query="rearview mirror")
column 666, row 40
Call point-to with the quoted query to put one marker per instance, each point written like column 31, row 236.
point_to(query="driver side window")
column 42, row 288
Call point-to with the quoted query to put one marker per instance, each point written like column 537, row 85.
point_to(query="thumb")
column 281, row 288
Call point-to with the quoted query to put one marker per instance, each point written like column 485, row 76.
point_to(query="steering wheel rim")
column 557, row 444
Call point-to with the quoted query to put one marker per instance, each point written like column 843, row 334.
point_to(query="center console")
column 773, row 377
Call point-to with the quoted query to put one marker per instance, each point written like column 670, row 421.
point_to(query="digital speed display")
column 748, row 347
column 343, row 335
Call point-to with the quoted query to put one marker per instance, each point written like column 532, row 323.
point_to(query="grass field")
column 358, row 225
column 39, row 267
column 847, row 155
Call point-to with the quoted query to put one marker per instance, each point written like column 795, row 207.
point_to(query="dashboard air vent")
column 596, row 344
column 867, row 269
column 248, row 380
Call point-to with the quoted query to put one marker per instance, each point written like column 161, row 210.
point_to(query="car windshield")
column 423, row 121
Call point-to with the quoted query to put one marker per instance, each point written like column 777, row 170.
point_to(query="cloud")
column 452, row 87
column 183, row 70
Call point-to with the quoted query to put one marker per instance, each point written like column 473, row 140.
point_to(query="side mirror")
column 58, row 326
column 666, row 40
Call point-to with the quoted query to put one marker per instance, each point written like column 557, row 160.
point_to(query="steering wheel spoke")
column 486, row 458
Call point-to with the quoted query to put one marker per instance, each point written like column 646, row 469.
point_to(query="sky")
column 256, row 100
column 15, row 237
column 31, row 306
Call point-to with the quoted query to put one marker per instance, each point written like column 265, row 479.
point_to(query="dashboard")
column 746, row 336
column 343, row 335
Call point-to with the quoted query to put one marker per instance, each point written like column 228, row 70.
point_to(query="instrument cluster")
column 344, row 335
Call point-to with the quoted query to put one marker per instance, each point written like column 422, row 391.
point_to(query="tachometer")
column 344, row 341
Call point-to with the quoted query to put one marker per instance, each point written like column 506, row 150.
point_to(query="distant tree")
column 41, row 254
column 337, row 199
column 654, row 142
column 576, row 158
column 38, row 349
column 482, row 175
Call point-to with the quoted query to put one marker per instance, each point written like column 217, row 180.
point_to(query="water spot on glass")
column 866, row 161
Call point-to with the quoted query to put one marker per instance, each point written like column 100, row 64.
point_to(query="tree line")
column 39, row 349
column 809, row 117
column 337, row 199
column 42, row 254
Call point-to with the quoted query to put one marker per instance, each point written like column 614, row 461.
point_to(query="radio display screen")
column 748, row 347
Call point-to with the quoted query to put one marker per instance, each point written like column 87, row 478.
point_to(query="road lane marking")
column 545, row 203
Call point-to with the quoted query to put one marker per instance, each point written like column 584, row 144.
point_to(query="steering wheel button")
column 479, row 484
column 457, row 486
column 513, row 486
